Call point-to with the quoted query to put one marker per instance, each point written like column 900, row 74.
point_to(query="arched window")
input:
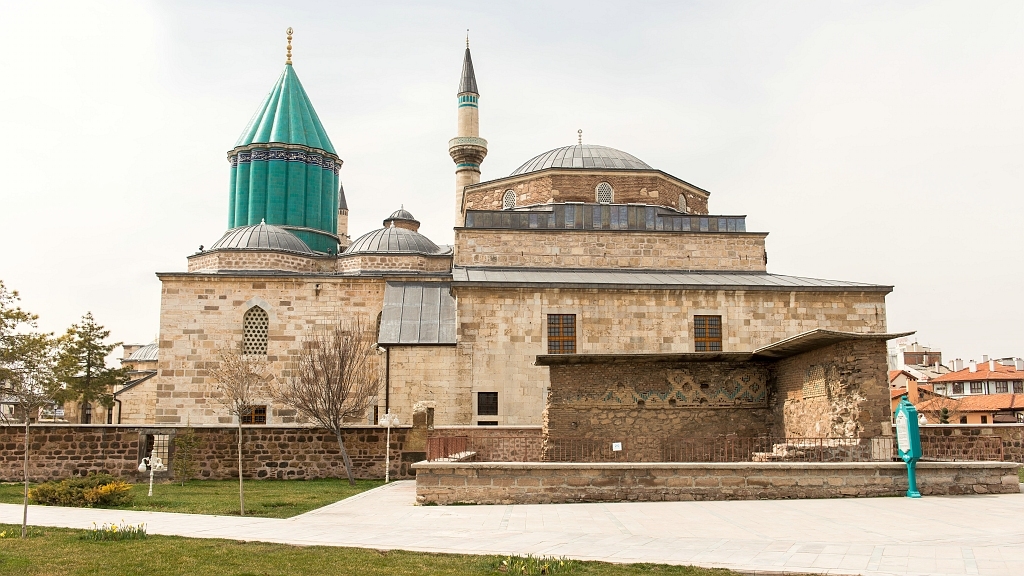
column 254, row 331
column 508, row 200
column 605, row 195
column 682, row 204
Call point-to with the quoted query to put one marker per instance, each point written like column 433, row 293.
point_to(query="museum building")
column 585, row 264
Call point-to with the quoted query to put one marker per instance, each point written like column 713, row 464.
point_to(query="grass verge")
column 265, row 498
column 60, row 551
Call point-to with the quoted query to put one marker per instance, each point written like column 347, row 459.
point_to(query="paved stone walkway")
column 981, row 535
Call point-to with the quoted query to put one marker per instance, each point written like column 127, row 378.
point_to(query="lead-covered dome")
column 395, row 240
column 261, row 236
column 147, row 353
column 583, row 156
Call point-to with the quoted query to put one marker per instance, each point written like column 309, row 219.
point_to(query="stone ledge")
column 427, row 465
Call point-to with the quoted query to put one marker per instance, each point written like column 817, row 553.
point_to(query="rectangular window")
column 963, row 419
column 1018, row 387
column 487, row 423
column 1002, row 388
column 984, row 419
column 257, row 415
column 707, row 333
column 487, row 403
column 977, row 388
column 958, row 388
column 561, row 333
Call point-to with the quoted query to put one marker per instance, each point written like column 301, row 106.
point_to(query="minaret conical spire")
column 467, row 149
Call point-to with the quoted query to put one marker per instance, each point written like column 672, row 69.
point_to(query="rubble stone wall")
column 268, row 452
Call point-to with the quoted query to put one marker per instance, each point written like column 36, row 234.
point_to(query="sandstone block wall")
column 1011, row 435
column 394, row 262
column 259, row 260
column 268, row 452
column 543, row 483
column 439, row 377
column 201, row 315
column 503, row 330
column 839, row 391
column 572, row 186
column 611, row 249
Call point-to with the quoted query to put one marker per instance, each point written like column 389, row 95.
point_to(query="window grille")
column 1018, row 387
column 605, row 195
column 256, row 415
column 958, row 388
column 682, row 204
column 1002, row 387
column 487, row 403
column 157, row 446
column 255, row 324
column 561, row 333
column 508, row 200
column 977, row 388
column 707, row 334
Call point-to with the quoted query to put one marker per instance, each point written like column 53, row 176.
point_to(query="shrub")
column 87, row 491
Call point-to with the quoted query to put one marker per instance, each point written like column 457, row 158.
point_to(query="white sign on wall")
column 616, row 446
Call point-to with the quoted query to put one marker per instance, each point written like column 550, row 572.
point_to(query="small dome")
column 145, row 354
column 394, row 240
column 401, row 214
column 261, row 236
column 583, row 156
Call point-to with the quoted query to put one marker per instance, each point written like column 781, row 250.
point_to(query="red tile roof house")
column 986, row 393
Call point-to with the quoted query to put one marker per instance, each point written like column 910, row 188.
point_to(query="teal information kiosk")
column 908, row 442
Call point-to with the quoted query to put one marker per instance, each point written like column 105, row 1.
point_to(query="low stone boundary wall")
column 497, row 443
column 268, row 452
column 553, row 482
column 1012, row 436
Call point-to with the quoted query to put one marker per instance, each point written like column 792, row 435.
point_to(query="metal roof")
column 417, row 313
column 648, row 279
column 261, row 236
column 401, row 214
column 395, row 240
column 147, row 353
column 583, row 156
column 468, row 83
column 818, row 338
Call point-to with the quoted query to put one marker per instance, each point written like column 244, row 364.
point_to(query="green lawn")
column 59, row 551
column 267, row 498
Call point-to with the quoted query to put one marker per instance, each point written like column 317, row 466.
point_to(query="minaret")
column 467, row 149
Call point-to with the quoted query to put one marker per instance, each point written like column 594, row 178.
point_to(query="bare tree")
column 337, row 378
column 239, row 378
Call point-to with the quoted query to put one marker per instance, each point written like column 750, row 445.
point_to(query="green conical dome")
column 284, row 168
column 286, row 115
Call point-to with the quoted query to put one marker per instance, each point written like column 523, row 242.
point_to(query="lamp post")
column 153, row 464
column 388, row 420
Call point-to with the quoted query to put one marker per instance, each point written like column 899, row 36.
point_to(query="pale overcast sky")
column 875, row 141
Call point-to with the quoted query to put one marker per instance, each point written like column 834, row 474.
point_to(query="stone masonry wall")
column 1012, row 436
column 267, row 453
column 543, row 483
column 259, row 260
column 503, row 330
column 434, row 376
column 620, row 402
column 394, row 262
column 611, row 249
column 839, row 391
column 572, row 186
column 498, row 443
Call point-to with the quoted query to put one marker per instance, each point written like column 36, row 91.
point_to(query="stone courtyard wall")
column 548, row 482
column 1012, row 436
column 661, row 250
column 268, row 452
column 839, row 391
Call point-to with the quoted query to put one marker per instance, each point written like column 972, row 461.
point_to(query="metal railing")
column 496, row 448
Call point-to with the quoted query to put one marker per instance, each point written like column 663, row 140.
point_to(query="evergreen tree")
column 81, row 365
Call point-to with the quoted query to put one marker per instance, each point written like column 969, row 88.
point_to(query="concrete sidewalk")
column 981, row 535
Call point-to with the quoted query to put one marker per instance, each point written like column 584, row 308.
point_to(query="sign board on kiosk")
column 908, row 442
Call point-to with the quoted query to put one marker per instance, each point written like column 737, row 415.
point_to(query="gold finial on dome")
column 289, row 59
column 467, row 37
column 579, row 136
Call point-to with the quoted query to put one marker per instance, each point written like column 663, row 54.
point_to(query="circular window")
column 508, row 200
column 605, row 194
